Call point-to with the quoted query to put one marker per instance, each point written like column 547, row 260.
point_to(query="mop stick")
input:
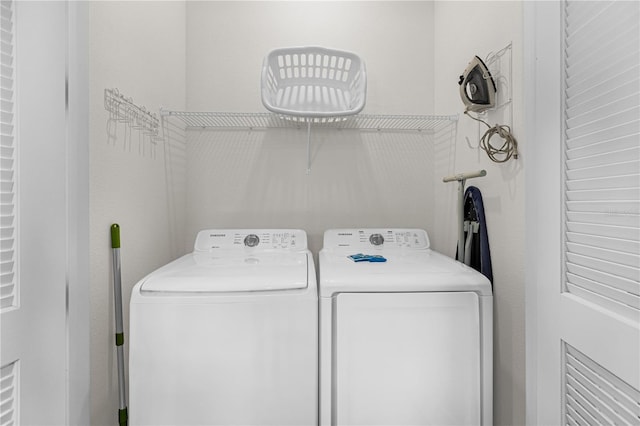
column 117, row 292
column 462, row 178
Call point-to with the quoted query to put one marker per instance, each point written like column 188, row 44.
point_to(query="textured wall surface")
column 139, row 48
column 357, row 179
column 462, row 30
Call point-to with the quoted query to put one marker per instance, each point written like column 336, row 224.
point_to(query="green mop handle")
column 117, row 292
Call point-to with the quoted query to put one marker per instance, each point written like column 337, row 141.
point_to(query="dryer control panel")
column 257, row 239
column 378, row 238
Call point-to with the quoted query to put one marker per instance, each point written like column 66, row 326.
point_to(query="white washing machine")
column 406, row 341
column 227, row 335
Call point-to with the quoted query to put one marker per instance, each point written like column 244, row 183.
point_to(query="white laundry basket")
column 312, row 83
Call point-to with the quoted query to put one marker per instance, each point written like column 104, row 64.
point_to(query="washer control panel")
column 257, row 239
column 380, row 239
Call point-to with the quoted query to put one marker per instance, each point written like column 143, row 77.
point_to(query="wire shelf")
column 429, row 124
column 230, row 120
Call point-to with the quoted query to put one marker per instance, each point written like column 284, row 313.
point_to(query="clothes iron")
column 477, row 87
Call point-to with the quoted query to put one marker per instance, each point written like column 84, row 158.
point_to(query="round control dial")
column 251, row 240
column 376, row 239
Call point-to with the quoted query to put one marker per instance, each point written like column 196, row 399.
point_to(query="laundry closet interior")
column 176, row 59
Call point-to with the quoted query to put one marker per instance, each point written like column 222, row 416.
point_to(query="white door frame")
column 542, row 92
column 78, row 316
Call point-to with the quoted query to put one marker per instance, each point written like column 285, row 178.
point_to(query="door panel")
column 407, row 358
column 583, row 282
column 595, row 395
column 34, row 331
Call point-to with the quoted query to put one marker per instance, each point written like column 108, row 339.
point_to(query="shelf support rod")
column 308, row 146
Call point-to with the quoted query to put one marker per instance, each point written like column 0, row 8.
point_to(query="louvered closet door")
column 602, row 148
column 33, row 350
column 601, row 277
column 584, row 214
column 8, row 278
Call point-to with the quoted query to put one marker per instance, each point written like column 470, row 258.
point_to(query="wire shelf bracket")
column 122, row 109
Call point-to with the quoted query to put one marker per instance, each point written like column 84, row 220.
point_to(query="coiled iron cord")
column 509, row 147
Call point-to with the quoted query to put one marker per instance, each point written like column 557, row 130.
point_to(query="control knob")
column 251, row 240
column 376, row 239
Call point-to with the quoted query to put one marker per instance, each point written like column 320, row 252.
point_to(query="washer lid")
column 242, row 272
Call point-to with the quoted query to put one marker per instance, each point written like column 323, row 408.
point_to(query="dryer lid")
column 246, row 272
column 411, row 266
column 404, row 271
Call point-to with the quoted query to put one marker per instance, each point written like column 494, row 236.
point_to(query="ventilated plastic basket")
column 313, row 82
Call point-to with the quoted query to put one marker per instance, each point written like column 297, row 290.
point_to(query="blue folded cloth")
column 359, row 257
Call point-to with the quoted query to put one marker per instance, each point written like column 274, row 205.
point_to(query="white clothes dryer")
column 227, row 335
column 406, row 341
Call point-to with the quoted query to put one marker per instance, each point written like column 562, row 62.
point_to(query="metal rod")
column 308, row 147
column 461, row 220
column 467, row 246
column 464, row 176
column 117, row 293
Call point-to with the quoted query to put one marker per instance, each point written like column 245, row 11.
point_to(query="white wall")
column 414, row 52
column 462, row 30
column 240, row 179
column 227, row 41
column 139, row 48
